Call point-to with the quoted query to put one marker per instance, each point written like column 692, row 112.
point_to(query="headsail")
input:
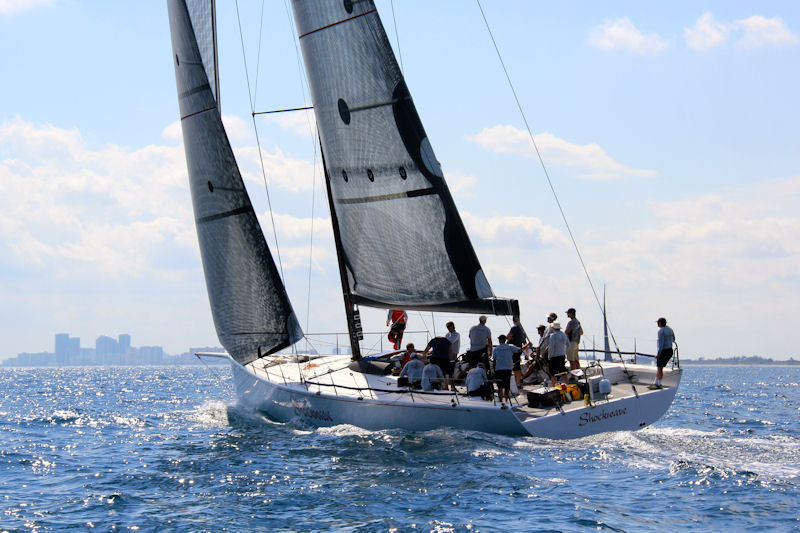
column 249, row 303
column 202, row 14
column 403, row 242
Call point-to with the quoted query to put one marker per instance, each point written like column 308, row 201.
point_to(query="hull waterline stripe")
column 198, row 112
column 337, row 23
column 239, row 211
column 383, row 197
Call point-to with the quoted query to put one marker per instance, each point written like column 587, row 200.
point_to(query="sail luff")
column 403, row 243
column 251, row 310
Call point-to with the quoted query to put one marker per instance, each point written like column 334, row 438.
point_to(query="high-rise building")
column 73, row 351
column 105, row 347
column 124, row 343
column 151, row 355
column 62, row 347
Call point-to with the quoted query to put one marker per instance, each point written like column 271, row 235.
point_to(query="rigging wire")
column 258, row 55
column 258, row 143
column 546, row 173
column 314, row 146
column 397, row 38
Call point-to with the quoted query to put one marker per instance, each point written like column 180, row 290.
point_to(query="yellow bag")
column 575, row 391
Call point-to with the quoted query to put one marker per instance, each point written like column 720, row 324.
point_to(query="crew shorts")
column 572, row 352
column 474, row 357
column 663, row 357
column 557, row 365
column 445, row 364
column 504, row 377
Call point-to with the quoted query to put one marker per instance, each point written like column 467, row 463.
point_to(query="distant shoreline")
column 739, row 361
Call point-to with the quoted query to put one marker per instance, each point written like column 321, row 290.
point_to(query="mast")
column 352, row 314
column 605, row 328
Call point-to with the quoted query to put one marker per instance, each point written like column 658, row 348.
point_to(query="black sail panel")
column 251, row 309
column 403, row 241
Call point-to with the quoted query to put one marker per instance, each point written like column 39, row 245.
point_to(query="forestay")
column 403, row 242
column 249, row 304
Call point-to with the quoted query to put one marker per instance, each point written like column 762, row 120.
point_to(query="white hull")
column 277, row 392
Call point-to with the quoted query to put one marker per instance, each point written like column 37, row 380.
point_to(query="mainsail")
column 249, row 303
column 402, row 241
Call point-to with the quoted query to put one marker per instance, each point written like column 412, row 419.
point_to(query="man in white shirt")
column 557, row 352
column 413, row 371
column 503, row 357
column 432, row 377
column 454, row 337
column 480, row 343
column 477, row 383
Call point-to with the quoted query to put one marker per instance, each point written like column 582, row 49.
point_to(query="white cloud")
column 64, row 205
column 760, row 31
column 283, row 172
column 737, row 238
column 502, row 228
column 591, row 157
column 302, row 123
column 706, row 34
column 292, row 229
column 461, row 183
column 237, row 129
column 621, row 34
column 173, row 132
column 8, row 7
column 755, row 31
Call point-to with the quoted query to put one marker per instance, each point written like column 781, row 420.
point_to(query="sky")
column 670, row 131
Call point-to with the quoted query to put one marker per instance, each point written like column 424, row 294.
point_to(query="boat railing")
column 339, row 342
column 635, row 355
column 372, row 390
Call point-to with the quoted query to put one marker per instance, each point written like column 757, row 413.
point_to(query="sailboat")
column 384, row 184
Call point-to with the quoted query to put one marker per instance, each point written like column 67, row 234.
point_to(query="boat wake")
column 212, row 413
column 712, row 454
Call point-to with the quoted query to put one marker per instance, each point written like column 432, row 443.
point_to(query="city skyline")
column 107, row 351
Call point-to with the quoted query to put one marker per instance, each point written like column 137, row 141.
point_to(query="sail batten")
column 251, row 310
column 403, row 243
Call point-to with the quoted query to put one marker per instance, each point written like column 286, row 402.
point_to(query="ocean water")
column 168, row 449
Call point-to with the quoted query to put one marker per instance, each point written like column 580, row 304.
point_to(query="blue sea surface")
column 168, row 449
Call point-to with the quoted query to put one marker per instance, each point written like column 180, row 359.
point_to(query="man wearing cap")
column 503, row 358
column 413, row 371
column 538, row 360
column 557, row 349
column 573, row 331
column 516, row 336
column 544, row 342
column 480, row 343
column 664, row 346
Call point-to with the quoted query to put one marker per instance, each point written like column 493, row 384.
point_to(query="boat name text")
column 587, row 416
column 308, row 412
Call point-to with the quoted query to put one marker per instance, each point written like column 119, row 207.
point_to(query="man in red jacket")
column 397, row 318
